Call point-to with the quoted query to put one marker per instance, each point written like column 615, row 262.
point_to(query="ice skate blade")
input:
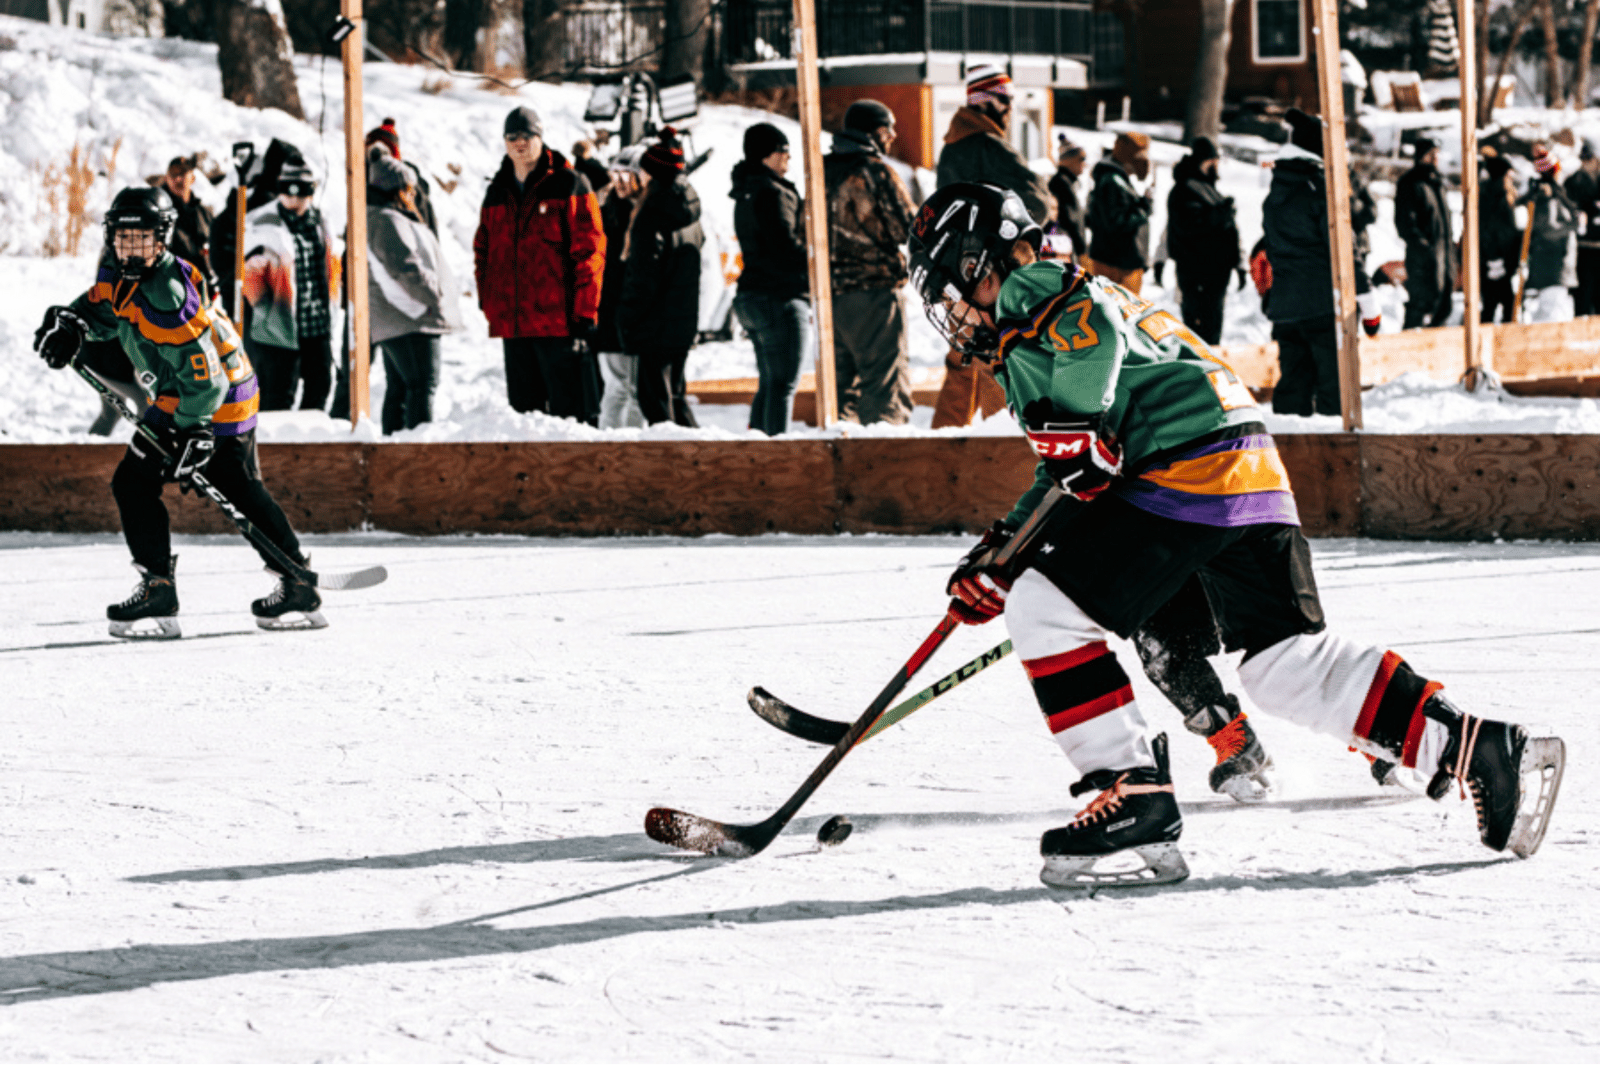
column 1249, row 789
column 1163, row 864
column 289, row 622
column 166, row 629
column 1544, row 759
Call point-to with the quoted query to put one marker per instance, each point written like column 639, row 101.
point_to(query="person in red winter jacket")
column 539, row 255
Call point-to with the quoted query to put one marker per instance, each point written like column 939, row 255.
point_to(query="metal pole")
column 1477, row 362
column 1336, row 164
column 355, row 176
column 810, row 93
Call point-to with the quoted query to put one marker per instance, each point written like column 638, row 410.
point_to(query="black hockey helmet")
column 962, row 232
column 140, row 207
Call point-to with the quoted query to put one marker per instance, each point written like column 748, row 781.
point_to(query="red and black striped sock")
column 1078, row 685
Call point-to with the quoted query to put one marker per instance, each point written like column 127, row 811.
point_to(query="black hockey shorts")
column 1120, row 564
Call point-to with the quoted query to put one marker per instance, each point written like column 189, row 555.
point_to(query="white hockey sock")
column 1085, row 695
column 1364, row 696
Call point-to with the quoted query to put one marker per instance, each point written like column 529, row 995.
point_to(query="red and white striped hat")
column 987, row 83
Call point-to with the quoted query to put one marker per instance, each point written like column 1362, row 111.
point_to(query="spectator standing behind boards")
column 976, row 150
column 1202, row 239
column 411, row 297
column 1071, row 160
column 1422, row 218
column 539, row 255
column 585, row 163
column 619, row 372
column 1299, row 274
column 388, row 137
column 1499, row 238
column 291, row 274
column 869, row 218
column 658, row 316
column 1119, row 215
column 191, row 233
column 1583, row 189
column 261, row 189
column 1553, row 248
column 772, row 303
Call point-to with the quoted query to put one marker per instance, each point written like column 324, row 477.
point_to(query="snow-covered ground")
column 148, row 100
column 417, row 834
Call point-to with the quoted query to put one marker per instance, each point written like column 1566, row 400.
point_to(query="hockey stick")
column 348, row 581
column 692, row 832
column 796, row 722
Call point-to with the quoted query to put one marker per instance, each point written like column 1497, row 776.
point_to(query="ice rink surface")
column 417, row 834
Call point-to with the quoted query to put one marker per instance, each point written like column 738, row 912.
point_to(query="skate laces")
column 1230, row 740
column 275, row 596
column 140, row 590
column 1109, row 801
column 1469, row 742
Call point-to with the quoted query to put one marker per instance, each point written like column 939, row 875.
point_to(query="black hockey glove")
column 187, row 450
column 59, row 339
column 977, row 588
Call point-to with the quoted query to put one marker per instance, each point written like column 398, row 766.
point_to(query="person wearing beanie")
column 1071, row 161
column 1583, row 189
column 772, row 303
column 385, row 134
column 1119, row 214
column 411, row 294
column 1300, row 301
column 658, row 313
column 1499, row 238
column 539, row 256
column 1422, row 220
column 291, row 277
column 1202, row 239
column 1552, row 245
column 386, row 137
column 976, row 150
column 869, row 218
column 619, row 371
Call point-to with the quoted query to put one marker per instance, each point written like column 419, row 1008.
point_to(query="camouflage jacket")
column 869, row 216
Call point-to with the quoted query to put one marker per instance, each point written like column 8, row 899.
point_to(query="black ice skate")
column 293, row 604
column 155, row 600
column 1495, row 761
column 1243, row 769
column 1134, row 816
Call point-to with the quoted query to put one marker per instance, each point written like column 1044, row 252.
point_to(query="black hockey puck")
column 834, row 831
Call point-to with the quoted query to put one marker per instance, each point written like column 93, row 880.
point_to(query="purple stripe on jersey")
column 233, row 428
column 1254, row 508
column 243, row 390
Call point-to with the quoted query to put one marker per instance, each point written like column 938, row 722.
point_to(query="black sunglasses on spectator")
column 296, row 188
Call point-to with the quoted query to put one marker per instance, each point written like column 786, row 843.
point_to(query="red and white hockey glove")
column 978, row 591
column 1075, row 454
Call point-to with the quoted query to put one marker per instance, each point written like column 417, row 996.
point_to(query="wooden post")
column 355, row 176
column 805, row 79
column 1477, row 363
column 1336, row 164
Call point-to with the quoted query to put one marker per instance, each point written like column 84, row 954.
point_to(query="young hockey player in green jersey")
column 1164, row 446
column 189, row 362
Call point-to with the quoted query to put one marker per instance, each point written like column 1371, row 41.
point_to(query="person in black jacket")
column 1202, row 238
column 1583, row 188
column 1295, row 218
column 1119, row 214
column 1071, row 160
column 619, row 402
column 772, row 303
column 1499, row 239
column 658, row 316
column 1422, row 218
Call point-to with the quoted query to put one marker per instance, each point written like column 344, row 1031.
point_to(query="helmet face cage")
column 150, row 210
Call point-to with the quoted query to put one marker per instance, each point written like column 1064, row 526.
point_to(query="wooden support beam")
column 1336, row 164
column 805, row 77
column 1477, row 362
column 355, row 176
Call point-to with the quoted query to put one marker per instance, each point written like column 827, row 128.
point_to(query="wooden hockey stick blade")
column 789, row 718
column 691, row 832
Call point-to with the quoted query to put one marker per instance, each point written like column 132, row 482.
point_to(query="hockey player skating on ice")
column 1132, row 413
column 188, row 359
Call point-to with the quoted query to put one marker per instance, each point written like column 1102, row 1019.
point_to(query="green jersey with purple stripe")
column 1073, row 346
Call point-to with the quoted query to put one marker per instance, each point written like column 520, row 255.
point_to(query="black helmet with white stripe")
column 962, row 232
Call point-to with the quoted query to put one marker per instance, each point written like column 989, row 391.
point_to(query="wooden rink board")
column 1445, row 486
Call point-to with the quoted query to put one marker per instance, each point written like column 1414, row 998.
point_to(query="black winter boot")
column 1135, row 812
column 154, row 599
